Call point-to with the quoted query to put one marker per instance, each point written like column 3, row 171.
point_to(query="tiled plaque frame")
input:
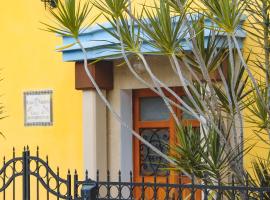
column 40, row 92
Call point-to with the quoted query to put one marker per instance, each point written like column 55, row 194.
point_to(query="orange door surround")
column 152, row 120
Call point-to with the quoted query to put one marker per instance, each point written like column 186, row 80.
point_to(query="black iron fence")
column 28, row 177
column 183, row 189
column 186, row 190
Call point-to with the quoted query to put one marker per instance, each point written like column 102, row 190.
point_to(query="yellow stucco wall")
column 29, row 62
column 260, row 148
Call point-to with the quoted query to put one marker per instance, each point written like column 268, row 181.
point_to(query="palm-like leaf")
column 187, row 151
column 258, row 21
column 70, row 18
column 227, row 14
column 185, row 4
column 129, row 32
column 240, row 88
column 113, row 8
column 213, row 50
column 204, row 154
column 259, row 115
column 164, row 30
column 261, row 172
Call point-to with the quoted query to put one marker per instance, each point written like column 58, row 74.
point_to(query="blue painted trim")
column 100, row 44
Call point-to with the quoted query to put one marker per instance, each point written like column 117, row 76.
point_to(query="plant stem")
column 116, row 115
column 252, row 78
column 232, row 84
column 162, row 95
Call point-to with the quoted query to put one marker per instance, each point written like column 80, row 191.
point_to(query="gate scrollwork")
column 27, row 166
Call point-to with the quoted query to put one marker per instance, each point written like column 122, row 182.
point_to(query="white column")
column 94, row 134
column 126, row 137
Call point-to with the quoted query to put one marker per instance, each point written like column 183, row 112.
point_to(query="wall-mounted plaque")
column 38, row 108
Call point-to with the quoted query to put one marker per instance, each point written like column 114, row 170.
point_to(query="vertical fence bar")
column 47, row 177
column 179, row 187
column 205, row 192
column 98, row 186
column 23, row 173
column 218, row 192
column 167, row 185
column 233, row 191
column 69, row 196
column 192, row 187
column 37, row 170
column 119, row 185
column 247, row 184
column 143, row 188
column 86, row 175
column 108, row 185
column 75, row 185
column 84, row 192
column 13, row 172
column 26, row 174
column 131, row 185
column 261, row 195
column 155, row 187
column 57, row 183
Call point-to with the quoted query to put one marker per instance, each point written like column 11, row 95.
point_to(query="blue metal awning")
column 99, row 43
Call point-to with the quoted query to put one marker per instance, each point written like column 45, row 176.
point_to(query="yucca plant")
column 166, row 34
column 114, row 8
column 259, row 23
column 226, row 14
column 259, row 117
column 201, row 152
column 165, row 26
column 127, row 46
column 241, row 89
column 70, row 18
column 187, row 151
column 165, row 29
column 180, row 6
column 260, row 177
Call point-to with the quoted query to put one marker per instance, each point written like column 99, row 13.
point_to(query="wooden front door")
column 153, row 121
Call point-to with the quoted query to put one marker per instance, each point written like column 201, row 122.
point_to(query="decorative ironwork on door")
column 150, row 163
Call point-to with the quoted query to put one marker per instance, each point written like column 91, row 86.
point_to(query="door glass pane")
column 187, row 115
column 151, row 163
column 153, row 109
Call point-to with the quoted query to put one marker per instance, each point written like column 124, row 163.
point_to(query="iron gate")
column 34, row 173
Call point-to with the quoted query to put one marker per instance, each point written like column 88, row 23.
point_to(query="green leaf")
column 70, row 18
column 66, row 46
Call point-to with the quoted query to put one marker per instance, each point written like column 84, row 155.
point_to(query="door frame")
column 138, row 124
